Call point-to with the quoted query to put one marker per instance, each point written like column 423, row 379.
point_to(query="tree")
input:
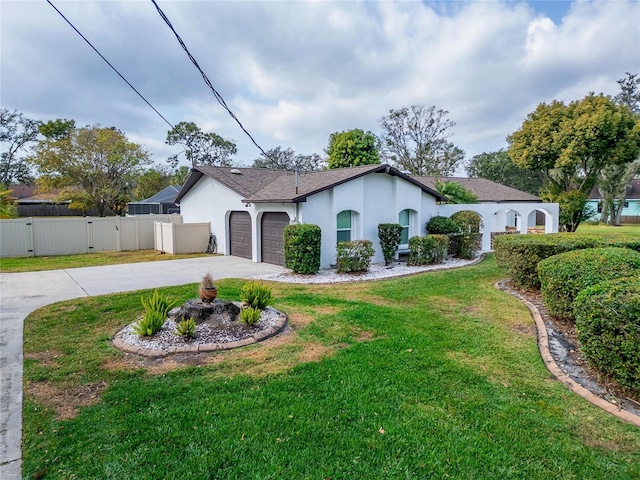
column 151, row 181
column 415, row 139
column 570, row 145
column 180, row 175
column 498, row 167
column 200, row 148
column 56, row 129
column 279, row 159
column 455, row 192
column 16, row 131
column 615, row 178
column 630, row 92
column 8, row 208
column 94, row 166
column 352, row 148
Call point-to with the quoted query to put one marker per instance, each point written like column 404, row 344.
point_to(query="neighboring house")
column 249, row 208
column 32, row 203
column 631, row 210
column 161, row 203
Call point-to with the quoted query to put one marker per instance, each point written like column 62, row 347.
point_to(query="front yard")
column 431, row 376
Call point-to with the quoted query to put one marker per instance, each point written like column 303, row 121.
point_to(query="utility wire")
column 107, row 62
column 206, row 79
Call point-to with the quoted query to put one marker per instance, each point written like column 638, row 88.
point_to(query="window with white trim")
column 344, row 223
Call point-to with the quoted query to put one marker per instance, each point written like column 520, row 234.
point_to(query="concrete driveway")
column 22, row 293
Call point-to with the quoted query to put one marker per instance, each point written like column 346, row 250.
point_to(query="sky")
column 293, row 72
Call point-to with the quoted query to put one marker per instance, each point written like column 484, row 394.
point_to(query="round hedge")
column 442, row 226
column 608, row 323
column 563, row 276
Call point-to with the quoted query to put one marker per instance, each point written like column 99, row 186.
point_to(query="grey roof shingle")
column 632, row 192
column 262, row 185
column 485, row 190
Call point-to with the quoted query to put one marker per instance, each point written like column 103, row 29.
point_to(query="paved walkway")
column 22, row 293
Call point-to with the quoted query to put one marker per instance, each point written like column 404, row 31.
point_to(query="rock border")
column 125, row 347
column 558, row 373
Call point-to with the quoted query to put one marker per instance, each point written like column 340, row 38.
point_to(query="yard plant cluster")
column 591, row 280
column 458, row 236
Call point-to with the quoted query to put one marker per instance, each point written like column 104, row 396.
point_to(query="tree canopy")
column 151, row 181
column 415, row 140
column 287, row 159
column 200, row 148
column 570, row 145
column 498, row 167
column 352, row 148
column 16, row 132
column 93, row 166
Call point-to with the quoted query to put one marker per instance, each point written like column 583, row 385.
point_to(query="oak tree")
column 352, row 148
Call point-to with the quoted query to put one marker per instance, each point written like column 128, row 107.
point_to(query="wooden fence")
column 37, row 237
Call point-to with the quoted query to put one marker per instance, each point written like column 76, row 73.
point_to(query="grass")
column 58, row 262
column 431, row 376
column 628, row 229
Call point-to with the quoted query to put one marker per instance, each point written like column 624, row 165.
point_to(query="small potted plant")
column 208, row 291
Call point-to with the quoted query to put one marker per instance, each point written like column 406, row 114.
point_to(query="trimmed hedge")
column 390, row 235
column 427, row 250
column 520, row 254
column 302, row 248
column 563, row 276
column 608, row 324
column 355, row 256
column 442, row 226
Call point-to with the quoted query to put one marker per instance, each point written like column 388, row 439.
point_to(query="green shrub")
column 608, row 324
column 250, row 315
column 563, row 276
column 389, row 235
column 302, row 248
column 442, row 226
column 354, row 256
column 186, row 328
column 158, row 303
column 427, row 250
column 150, row 323
column 468, row 242
column 255, row 295
column 520, row 254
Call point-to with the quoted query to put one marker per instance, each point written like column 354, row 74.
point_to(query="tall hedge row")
column 563, row 276
column 520, row 254
column 608, row 323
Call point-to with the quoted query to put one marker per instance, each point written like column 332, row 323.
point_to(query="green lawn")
column 605, row 229
column 57, row 262
column 436, row 375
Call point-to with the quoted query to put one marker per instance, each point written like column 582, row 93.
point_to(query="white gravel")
column 377, row 271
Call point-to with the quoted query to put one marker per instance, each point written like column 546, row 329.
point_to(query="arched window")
column 404, row 219
column 344, row 225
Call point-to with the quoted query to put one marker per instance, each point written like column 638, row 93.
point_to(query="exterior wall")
column 633, row 210
column 212, row 202
column 377, row 198
column 494, row 216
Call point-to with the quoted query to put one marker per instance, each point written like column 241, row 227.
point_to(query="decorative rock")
column 203, row 311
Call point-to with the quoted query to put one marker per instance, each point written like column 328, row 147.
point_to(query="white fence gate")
column 42, row 236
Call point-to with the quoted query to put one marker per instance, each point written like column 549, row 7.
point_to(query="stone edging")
column 556, row 371
column 120, row 344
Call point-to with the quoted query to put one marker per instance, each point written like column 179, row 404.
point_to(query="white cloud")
column 294, row 72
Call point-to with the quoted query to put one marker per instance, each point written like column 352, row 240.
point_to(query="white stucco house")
column 249, row 208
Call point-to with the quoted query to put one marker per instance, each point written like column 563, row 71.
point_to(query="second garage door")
column 272, row 243
column 240, row 234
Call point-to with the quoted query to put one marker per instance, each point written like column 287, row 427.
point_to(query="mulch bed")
column 565, row 350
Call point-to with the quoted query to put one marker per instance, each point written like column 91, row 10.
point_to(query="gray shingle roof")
column 258, row 185
column 485, row 190
column 632, row 192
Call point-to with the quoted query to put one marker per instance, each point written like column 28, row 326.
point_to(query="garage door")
column 240, row 234
column 272, row 243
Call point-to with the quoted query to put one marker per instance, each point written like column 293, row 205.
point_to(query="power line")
column 107, row 62
column 206, row 79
